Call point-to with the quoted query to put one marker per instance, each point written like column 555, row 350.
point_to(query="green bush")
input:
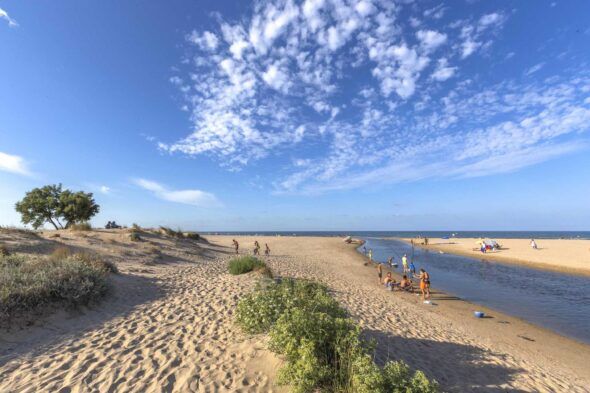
column 83, row 226
column 27, row 283
column 245, row 264
column 322, row 347
column 134, row 237
column 136, row 227
column 192, row 235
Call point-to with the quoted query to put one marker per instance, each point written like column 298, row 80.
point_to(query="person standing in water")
column 424, row 278
column 371, row 255
column 412, row 268
column 380, row 273
column 405, row 263
column 266, row 249
column 236, row 245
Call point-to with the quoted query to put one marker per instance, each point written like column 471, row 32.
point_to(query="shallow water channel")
column 560, row 302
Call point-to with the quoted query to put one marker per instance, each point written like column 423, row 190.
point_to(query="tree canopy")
column 52, row 204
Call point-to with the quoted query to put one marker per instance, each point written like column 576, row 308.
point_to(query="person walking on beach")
column 405, row 263
column 534, row 244
column 380, row 273
column 256, row 248
column 236, row 245
column 424, row 278
column 266, row 249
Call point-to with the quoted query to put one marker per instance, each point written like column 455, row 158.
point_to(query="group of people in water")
column 409, row 270
column 256, row 247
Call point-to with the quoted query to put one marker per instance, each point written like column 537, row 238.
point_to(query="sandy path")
column 463, row 354
column 169, row 332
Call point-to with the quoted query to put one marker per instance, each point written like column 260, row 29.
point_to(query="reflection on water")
column 556, row 301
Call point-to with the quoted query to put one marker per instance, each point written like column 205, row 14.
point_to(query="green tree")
column 76, row 207
column 51, row 203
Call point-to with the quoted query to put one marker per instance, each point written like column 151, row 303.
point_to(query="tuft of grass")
column 134, row 237
column 82, row 226
column 4, row 251
column 322, row 347
column 60, row 253
column 192, row 235
column 246, row 264
column 28, row 283
column 136, row 227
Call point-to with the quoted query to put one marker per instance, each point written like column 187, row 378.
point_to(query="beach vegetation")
column 245, row 264
column 51, row 204
column 82, row 226
column 4, row 251
column 30, row 282
column 134, row 236
column 322, row 347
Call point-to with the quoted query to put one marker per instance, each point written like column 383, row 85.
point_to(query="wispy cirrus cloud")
column 4, row 15
column 14, row 164
column 188, row 197
column 356, row 93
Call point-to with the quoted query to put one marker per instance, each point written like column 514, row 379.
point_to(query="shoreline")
column 453, row 247
column 449, row 320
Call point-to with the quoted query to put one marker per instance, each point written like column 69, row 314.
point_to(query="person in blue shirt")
column 412, row 268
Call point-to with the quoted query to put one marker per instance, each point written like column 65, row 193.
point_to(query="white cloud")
column 207, row 40
column 105, row 190
column 443, row 71
column 14, row 164
column 4, row 15
column 431, row 39
column 534, row 68
column 188, row 197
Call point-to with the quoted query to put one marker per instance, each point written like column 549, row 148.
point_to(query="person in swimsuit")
column 424, row 278
column 406, row 284
column 405, row 263
column 236, row 245
column 379, row 272
column 266, row 249
column 388, row 281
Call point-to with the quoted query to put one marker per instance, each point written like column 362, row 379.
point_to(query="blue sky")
column 314, row 115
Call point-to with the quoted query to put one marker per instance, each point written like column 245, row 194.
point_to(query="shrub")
column 171, row 232
column 192, row 235
column 83, row 226
column 136, row 227
column 28, row 283
column 322, row 347
column 60, row 253
column 96, row 262
column 134, row 237
column 245, row 264
column 4, row 251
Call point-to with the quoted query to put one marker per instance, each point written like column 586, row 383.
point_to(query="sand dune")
column 166, row 327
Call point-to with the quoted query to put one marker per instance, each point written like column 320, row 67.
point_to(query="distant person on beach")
column 406, row 284
column 412, row 268
column 364, row 250
column 380, row 272
column 405, row 263
column 266, row 249
column 424, row 278
column 371, row 255
column 256, row 248
column 236, row 245
column 534, row 244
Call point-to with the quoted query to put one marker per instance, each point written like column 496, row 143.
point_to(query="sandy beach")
column 168, row 325
column 562, row 255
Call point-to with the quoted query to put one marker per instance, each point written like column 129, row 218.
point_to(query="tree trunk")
column 53, row 223
column 57, row 219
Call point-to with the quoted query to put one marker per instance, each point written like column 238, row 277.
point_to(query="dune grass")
column 245, row 264
column 28, row 283
column 322, row 347
column 82, row 226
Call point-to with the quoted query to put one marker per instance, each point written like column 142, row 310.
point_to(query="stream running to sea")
column 556, row 301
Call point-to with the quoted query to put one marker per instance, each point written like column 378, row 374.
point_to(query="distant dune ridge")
column 168, row 324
